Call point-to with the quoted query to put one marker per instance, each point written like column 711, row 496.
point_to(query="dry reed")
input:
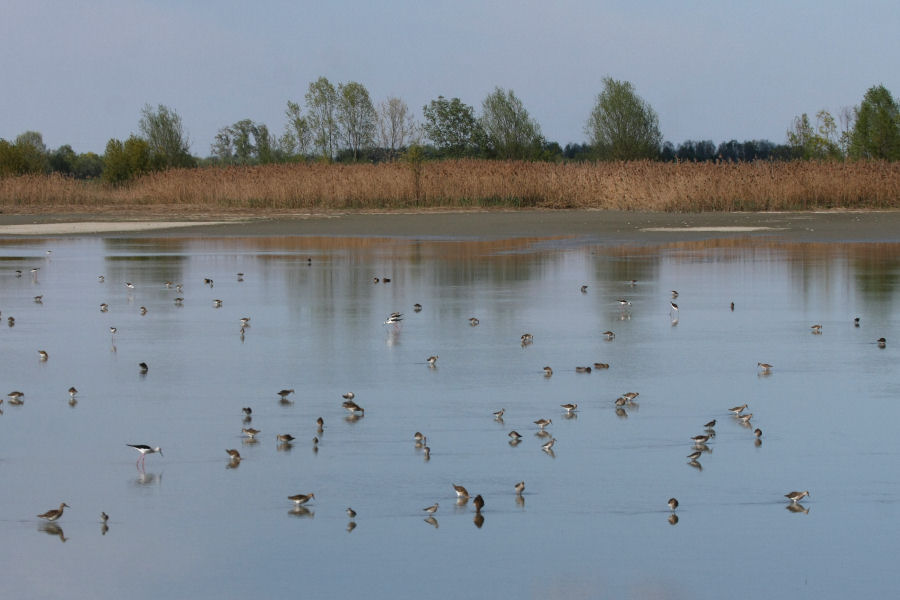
column 642, row 186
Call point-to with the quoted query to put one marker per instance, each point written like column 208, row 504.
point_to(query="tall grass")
column 645, row 186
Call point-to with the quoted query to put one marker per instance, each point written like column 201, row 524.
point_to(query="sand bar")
column 613, row 227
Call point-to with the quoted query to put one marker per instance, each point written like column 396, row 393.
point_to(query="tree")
column 164, row 134
column 819, row 142
column 297, row 136
column 62, row 160
column 452, row 126
column 876, row 133
column 397, row 127
column 356, row 116
column 88, row 166
column 321, row 104
column 246, row 142
column 509, row 131
column 622, row 126
column 32, row 152
column 125, row 161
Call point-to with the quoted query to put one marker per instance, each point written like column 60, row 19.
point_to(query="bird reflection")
column 696, row 464
column 432, row 521
column 796, row 507
column 461, row 501
column 570, row 415
column 104, row 528
column 145, row 479
column 353, row 418
column 621, row 413
column 515, row 442
column 673, row 519
column 520, row 500
column 301, row 511
column 351, row 526
column 478, row 520
column 674, row 321
column 549, row 452
column 54, row 529
column 757, row 442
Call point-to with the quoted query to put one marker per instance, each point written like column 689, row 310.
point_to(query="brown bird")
column 54, row 514
column 461, row 492
column 479, row 503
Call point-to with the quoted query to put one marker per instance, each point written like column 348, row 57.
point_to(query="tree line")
column 341, row 123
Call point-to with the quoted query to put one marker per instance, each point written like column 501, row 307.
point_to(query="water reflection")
column 53, row 529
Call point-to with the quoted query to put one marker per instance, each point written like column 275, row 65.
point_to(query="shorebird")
column 527, row 338
column 385, row 280
column 856, row 322
column 630, row 396
column 674, row 294
column 394, row 318
column 711, row 424
column 431, row 360
column 16, row 398
column 419, row 437
column 766, row 367
column 520, row 487
column 542, row 423
column 234, row 455
column 623, row 302
column 249, row 432
column 247, row 411
column 584, row 289
column 348, row 396
column 285, row 393
column 473, row 321
column 816, row 329
column 582, row 369
column 757, row 432
column 353, row 407
column 144, row 367
column 179, row 301
column 515, row 435
column 101, row 278
column 548, row 372
column 599, row 365
column 54, row 514
column 217, row 303
column 144, row 449
column 104, row 307
column 737, row 410
column 461, row 492
column 285, row 438
column 104, row 517
column 570, row 407
column 417, row 307
column 245, row 321
column 240, row 277
column 427, row 452
column 376, row 280
column 143, row 310
column 700, row 439
column 745, row 418
column 498, row 415
column 881, row 342
column 796, row 497
column 73, row 391
column 300, row 499
column 673, row 503
column 112, row 332
column 43, row 354
column 320, row 424
column 478, row 502
column 351, row 513
column 609, row 335
column 548, row 446
column 431, row 509
column 129, row 285
column 208, row 281
column 11, row 321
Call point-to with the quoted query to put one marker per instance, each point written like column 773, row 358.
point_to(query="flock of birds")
column 700, row 442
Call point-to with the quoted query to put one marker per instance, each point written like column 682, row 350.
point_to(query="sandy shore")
column 599, row 226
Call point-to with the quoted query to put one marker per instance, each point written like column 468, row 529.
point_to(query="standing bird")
column 299, row 499
column 431, row 509
column 548, row 371
column 766, row 367
column 144, row 367
column 520, row 487
column 43, row 354
column 54, row 514
column 499, row 414
column 673, row 503
column 144, row 449
column 351, row 513
column 432, row 360
column 285, row 393
column 73, row 392
column 234, row 455
column 479, row 503
column 250, row 432
column 794, row 497
column 461, row 492
column 543, row 423
column 394, row 319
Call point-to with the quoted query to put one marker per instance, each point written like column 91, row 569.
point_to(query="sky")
column 80, row 72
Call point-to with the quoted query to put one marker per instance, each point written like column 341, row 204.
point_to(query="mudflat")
column 601, row 226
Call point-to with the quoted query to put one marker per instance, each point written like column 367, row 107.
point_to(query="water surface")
column 593, row 520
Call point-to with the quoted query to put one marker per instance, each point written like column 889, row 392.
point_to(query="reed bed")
column 639, row 186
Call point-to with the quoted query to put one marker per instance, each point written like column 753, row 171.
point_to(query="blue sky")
column 80, row 72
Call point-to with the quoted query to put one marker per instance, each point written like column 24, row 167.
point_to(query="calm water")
column 593, row 520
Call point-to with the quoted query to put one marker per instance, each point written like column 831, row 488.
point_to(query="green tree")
column 11, row 160
column 876, row 132
column 509, row 131
column 356, row 116
column 321, row 104
column 162, row 129
column 623, row 126
column 88, row 166
column 62, row 160
column 452, row 126
column 297, row 136
column 819, row 142
column 125, row 161
column 32, row 152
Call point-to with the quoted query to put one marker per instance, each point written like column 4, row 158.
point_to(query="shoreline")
column 602, row 226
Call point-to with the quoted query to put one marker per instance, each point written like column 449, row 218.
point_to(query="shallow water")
column 593, row 520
